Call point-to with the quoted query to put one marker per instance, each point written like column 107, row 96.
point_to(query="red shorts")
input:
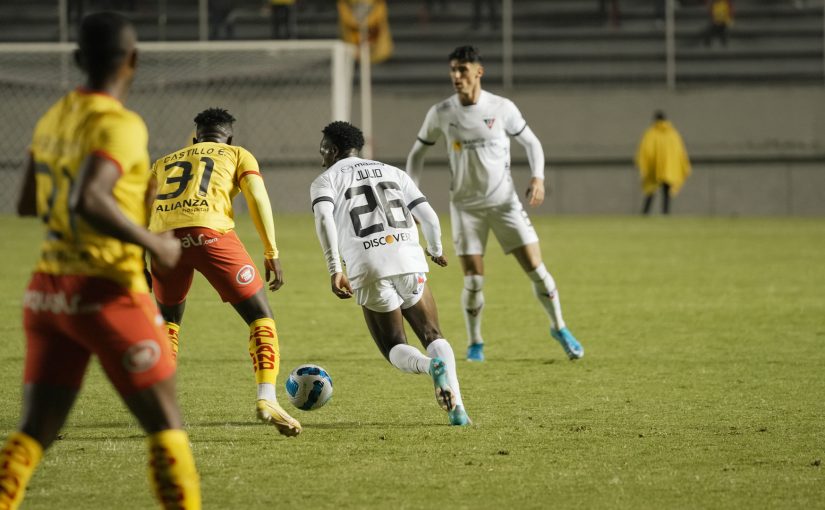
column 68, row 318
column 221, row 258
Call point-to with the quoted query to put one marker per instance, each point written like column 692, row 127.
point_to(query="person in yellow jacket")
column 350, row 13
column 662, row 161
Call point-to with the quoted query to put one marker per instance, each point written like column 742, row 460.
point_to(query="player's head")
column 214, row 125
column 106, row 49
column 659, row 115
column 466, row 70
column 341, row 140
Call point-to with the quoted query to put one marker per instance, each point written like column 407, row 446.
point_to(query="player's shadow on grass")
column 224, row 424
column 531, row 361
column 321, row 426
column 374, row 425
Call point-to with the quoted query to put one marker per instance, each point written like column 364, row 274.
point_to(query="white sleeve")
column 327, row 235
column 430, row 130
column 415, row 161
column 430, row 227
column 535, row 154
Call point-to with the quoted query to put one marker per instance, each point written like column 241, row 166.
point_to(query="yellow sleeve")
column 252, row 186
column 121, row 137
column 246, row 164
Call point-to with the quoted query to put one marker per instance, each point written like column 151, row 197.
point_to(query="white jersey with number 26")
column 377, row 236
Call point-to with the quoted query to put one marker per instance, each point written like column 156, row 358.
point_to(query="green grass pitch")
column 702, row 384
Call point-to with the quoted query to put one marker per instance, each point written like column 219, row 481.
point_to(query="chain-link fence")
column 282, row 94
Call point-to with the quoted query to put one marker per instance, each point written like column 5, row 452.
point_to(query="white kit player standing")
column 364, row 214
column 478, row 126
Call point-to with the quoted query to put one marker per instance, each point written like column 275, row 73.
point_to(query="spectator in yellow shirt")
column 721, row 18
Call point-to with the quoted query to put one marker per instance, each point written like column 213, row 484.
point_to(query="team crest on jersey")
column 490, row 122
column 245, row 275
column 141, row 356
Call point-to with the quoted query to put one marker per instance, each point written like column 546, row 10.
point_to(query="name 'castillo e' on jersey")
column 84, row 123
column 377, row 236
column 196, row 185
column 478, row 146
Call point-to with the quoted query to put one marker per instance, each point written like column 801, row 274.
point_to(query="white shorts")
column 509, row 223
column 387, row 294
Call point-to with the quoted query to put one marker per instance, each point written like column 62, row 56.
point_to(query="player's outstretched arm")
column 535, row 157
column 415, row 161
column 431, row 229
column 93, row 200
column 254, row 191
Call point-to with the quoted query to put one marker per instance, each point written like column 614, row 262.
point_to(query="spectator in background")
column 219, row 24
column 350, row 14
column 614, row 16
column 429, row 8
column 662, row 161
column 721, row 17
column 660, row 9
column 478, row 5
column 284, row 24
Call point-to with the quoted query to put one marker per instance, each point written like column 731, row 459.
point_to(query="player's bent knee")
column 474, row 283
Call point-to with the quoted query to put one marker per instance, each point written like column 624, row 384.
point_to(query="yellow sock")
column 18, row 459
column 264, row 351
column 172, row 471
column 172, row 331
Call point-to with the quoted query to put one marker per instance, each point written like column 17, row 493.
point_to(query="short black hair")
column 344, row 135
column 214, row 117
column 101, row 43
column 465, row 54
column 659, row 115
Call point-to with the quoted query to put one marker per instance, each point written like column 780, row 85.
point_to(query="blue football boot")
column 571, row 346
column 443, row 392
column 475, row 352
column 458, row 416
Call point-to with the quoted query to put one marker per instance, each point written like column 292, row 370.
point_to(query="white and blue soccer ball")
column 309, row 387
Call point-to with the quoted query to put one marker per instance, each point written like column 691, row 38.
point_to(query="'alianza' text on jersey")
column 196, row 185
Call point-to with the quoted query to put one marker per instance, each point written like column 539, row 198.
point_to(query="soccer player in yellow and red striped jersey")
column 195, row 188
column 87, row 178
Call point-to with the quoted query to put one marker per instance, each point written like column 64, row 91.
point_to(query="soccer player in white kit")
column 478, row 126
column 364, row 214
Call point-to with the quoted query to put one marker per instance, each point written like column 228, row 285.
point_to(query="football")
column 309, row 387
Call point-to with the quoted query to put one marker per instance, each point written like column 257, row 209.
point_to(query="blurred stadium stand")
column 555, row 41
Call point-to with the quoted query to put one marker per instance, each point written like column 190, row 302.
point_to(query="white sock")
column 441, row 348
column 407, row 358
column 472, row 303
column 545, row 288
column 266, row 391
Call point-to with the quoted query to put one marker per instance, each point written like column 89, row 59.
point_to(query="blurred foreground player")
column 363, row 213
column 195, row 188
column 87, row 178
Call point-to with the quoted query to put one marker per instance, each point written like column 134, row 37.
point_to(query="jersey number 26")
column 387, row 205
